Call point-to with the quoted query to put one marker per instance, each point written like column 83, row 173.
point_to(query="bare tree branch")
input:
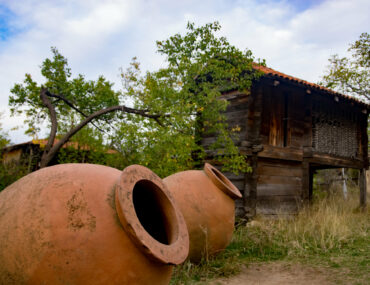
column 70, row 104
column 48, row 155
column 53, row 118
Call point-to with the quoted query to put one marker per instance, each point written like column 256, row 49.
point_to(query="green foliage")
column 10, row 173
column 7, row 176
column 187, row 93
column 87, row 146
column 3, row 136
column 86, row 96
column 200, row 66
column 351, row 75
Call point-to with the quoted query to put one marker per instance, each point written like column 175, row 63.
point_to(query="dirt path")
column 277, row 273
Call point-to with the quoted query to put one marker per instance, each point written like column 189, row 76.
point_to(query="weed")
column 331, row 232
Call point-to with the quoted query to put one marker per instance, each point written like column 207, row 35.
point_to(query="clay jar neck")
column 150, row 216
column 221, row 181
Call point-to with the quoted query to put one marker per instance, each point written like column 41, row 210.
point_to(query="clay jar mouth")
column 150, row 216
column 221, row 181
column 155, row 212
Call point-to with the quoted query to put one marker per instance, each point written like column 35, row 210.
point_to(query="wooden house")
column 288, row 129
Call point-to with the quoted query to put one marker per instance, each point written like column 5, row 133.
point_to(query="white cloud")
column 298, row 44
column 100, row 36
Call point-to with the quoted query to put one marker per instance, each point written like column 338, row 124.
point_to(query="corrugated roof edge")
column 277, row 74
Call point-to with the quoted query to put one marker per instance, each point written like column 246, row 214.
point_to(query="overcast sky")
column 98, row 37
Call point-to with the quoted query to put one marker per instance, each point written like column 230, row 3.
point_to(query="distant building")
column 28, row 154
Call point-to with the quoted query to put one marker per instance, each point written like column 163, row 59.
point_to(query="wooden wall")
column 276, row 136
column 279, row 170
column 236, row 115
column 283, row 120
column 279, row 186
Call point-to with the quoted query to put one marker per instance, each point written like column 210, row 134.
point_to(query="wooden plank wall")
column 277, row 112
column 279, row 186
column 280, row 169
column 252, row 146
column 236, row 114
column 238, row 181
column 298, row 123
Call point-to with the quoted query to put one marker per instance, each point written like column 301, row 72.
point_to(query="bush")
column 10, row 173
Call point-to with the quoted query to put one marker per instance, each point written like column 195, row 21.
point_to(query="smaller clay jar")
column 206, row 199
column 90, row 224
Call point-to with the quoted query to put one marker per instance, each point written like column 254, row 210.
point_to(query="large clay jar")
column 206, row 199
column 90, row 224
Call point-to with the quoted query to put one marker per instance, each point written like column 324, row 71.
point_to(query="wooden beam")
column 286, row 153
column 278, row 169
column 329, row 160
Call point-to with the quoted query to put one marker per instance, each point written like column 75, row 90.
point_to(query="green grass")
column 331, row 233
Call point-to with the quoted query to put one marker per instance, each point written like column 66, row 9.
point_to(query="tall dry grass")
column 327, row 228
column 329, row 223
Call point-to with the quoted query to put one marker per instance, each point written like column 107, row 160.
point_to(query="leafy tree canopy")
column 351, row 75
column 74, row 98
column 67, row 104
column 200, row 66
column 173, row 107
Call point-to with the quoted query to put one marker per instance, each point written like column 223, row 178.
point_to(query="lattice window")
column 334, row 131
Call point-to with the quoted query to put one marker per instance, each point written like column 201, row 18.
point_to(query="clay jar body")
column 206, row 199
column 90, row 224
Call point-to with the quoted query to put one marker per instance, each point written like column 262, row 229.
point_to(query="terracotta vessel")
column 206, row 199
column 90, row 224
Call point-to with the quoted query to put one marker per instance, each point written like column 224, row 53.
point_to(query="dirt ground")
column 277, row 273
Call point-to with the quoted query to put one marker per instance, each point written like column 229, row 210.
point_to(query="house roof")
column 279, row 75
column 15, row 146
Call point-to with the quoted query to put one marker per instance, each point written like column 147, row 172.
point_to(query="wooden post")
column 305, row 181
column 363, row 188
column 250, row 190
column 365, row 140
column 310, row 186
column 307, row 172
column 254, row 144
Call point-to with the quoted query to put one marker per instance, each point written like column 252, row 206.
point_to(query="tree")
column 200, row 67
column 67, row 104
column 351, row 75
column 3, row 136
column 173, row 108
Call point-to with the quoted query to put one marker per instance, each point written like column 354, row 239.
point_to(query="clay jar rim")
column 178, row 248
column 221, row 181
